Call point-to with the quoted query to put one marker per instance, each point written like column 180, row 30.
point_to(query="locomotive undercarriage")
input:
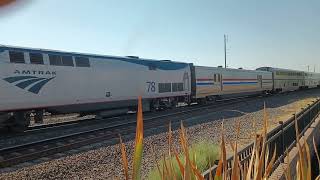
column 19, row 121
column 167, row 103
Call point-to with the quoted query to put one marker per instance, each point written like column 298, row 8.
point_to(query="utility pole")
column 314, row 68
column 225, row 51
column 308, row 68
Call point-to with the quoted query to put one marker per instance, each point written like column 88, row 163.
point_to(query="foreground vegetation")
column 194, row 160
column 203, row 156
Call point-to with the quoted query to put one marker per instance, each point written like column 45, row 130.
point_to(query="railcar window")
column 55, row 60
column 177, row 87
column 67, row 61
column 215, row 78
column 16, row 57
column 82, row 62
column 164, row 87
column 259, row 77
column 219, row 78
column 180, row 87
column 36, row 58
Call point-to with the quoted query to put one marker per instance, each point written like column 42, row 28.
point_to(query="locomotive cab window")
column 82, row 62
column 67, row 61
column 55, row 60
column 36, row 58
column 16, row 57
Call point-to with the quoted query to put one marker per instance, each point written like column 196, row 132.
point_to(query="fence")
column 282, row 138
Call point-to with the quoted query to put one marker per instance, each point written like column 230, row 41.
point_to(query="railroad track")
column 121, row 117
column 47, row 147
column 45, row 127
column 54, row 127
column 44, row 148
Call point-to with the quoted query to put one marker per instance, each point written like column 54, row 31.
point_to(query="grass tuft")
column 205, row 154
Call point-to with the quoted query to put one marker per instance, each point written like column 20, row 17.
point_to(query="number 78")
column 151, row 86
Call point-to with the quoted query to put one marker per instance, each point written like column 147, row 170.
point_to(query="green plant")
column 175, row 166
column 203, row 154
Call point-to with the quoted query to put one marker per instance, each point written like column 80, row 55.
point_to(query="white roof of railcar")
column 280, row 69
column 233, row 69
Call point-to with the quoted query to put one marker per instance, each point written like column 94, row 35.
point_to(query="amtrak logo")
column 32, row 84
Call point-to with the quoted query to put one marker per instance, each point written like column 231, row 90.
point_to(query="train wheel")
column 202, row 101
column 20, row 122
column 174, row 104
column 154, row 105
column 38, row 118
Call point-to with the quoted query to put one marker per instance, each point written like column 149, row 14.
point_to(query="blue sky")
column 261, row 33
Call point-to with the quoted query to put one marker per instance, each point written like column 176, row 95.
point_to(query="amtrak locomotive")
column 33, row 81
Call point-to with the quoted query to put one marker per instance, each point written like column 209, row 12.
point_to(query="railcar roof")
column 59, row 52
column 234, row 69
column 280, row 69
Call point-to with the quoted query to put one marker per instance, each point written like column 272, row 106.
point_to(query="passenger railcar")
column 289, row 80
column 60, row 82
column 312, row 80
column 214, row 82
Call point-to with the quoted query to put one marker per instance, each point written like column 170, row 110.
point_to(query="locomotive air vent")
column 240, row 68
column 135, row 57
column 219, row 66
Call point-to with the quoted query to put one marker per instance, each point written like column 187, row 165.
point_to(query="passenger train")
column 34, row 81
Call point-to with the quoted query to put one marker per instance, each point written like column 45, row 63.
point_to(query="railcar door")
column 259, row 78
column 216, row 81
column 217, row 85
column 221, row 82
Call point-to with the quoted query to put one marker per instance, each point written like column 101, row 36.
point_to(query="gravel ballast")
column 103, row 162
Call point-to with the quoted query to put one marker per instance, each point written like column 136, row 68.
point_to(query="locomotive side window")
column 55, row 60
column 177, row 87
column 82, row 62
column 16, row 57
column 67, row 61
column 164, row 87
column 36, row 58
